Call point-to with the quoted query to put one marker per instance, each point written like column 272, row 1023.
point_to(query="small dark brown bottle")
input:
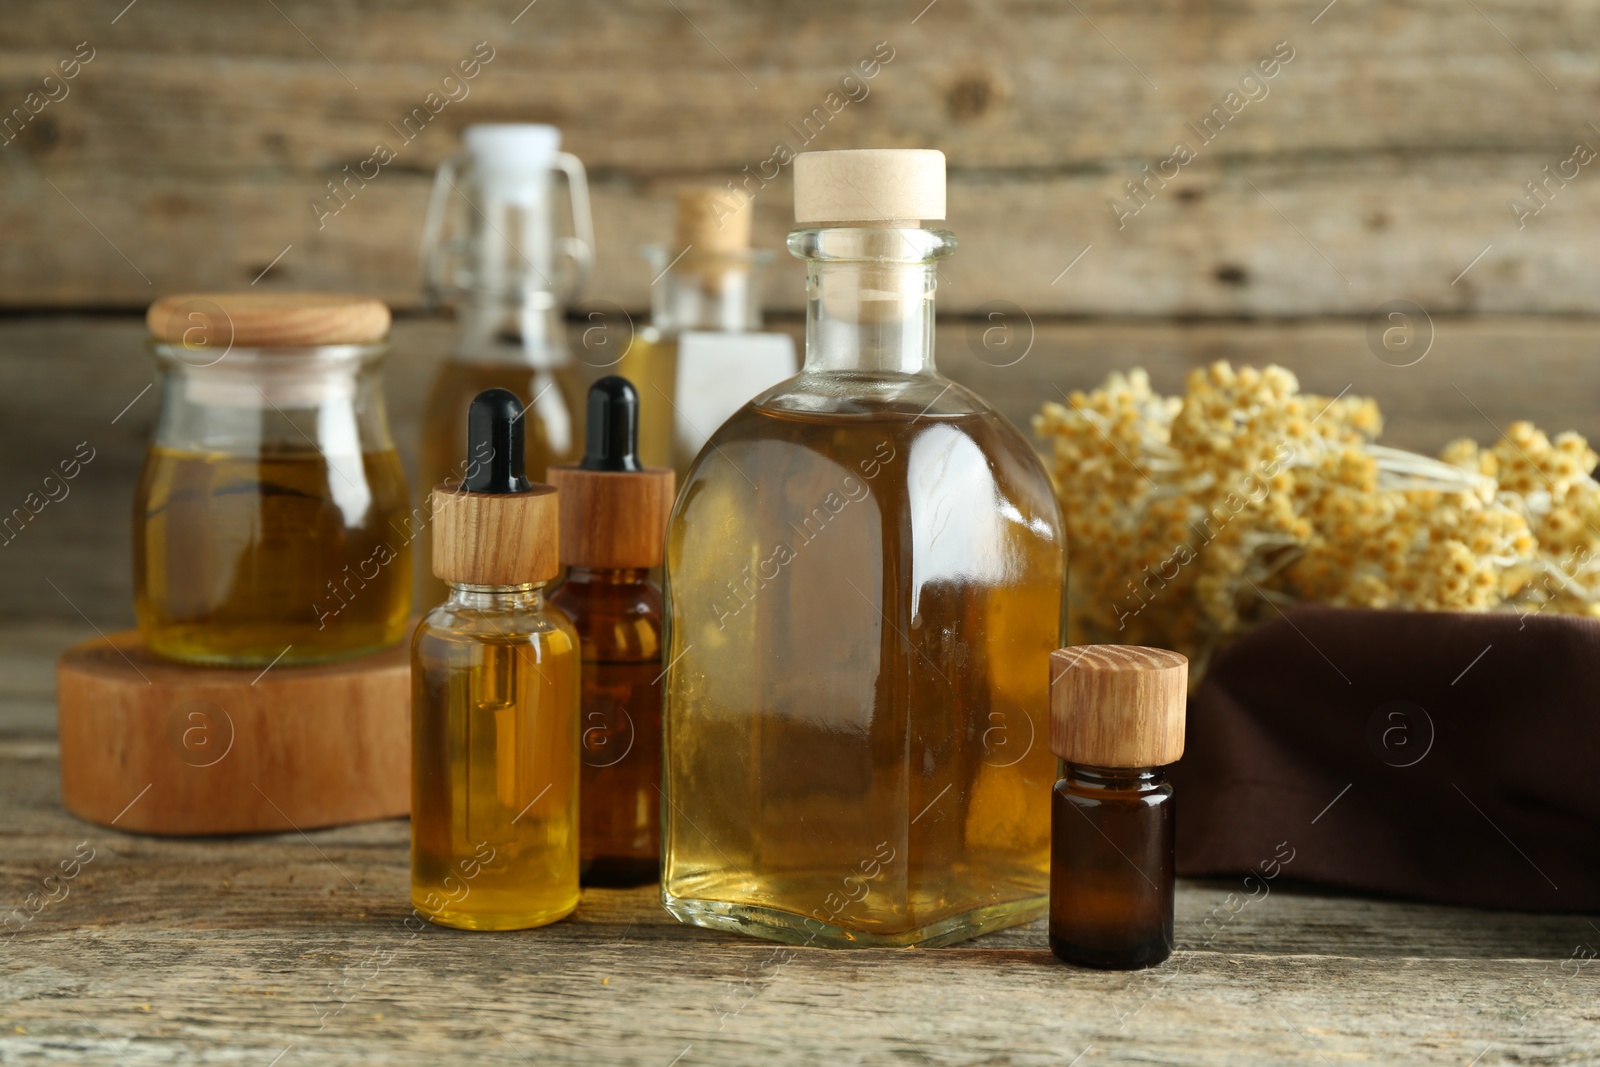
column 614, row 515
column 1116, row 719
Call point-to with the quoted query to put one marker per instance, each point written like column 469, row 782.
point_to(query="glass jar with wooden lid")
column 271, row 520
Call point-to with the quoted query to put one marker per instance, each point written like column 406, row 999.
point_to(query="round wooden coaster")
column 165, row 748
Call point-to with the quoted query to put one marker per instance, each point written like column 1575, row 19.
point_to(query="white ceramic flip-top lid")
column 513, row 160
column 869, row 187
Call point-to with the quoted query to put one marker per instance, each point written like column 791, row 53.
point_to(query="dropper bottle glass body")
column 613, row 522
column 494, row 812
column 494, row 834
column 864, row 575
column 1111, row 877
column 617, row 613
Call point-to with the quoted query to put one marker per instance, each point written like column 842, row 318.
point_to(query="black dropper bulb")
column 611, row 442
column 495, row 430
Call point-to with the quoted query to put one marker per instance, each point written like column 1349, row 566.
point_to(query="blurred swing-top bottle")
column 864, row 578
column 269, row 517
column 494, row 717
column 703, row 354
column 490, row 248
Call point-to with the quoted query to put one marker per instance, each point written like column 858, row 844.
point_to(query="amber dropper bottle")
column 494, row 712
column 614, row 515
column 1116, row 719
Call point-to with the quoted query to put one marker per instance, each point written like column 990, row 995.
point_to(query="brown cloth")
column 1448, row 757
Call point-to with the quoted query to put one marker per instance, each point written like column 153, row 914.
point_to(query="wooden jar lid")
column 164, row 748
column 613, row 519
column 710, row 221
column 495, row 538
column 267, row 319
column 1118, row 705
column 869, row 186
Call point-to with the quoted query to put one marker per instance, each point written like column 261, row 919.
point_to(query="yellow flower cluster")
column 1189, row 520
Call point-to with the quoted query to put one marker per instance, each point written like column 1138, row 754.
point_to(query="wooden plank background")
column 186, row 153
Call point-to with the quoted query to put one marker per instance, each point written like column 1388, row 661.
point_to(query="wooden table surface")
column 293, row 945
column 290, row 948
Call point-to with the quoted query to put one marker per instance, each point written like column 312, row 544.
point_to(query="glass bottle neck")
column 870, row 296
column 718, row 292
column 1122, row 779
column 527, row 597
column 526, row 330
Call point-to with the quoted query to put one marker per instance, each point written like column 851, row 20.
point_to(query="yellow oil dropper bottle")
column 494, row 681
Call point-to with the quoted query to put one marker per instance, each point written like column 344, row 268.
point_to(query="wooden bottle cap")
column 869, row 187
column 267, row 319
column 711, row 220
column 495, row 538
column 614, row 519
column 1118, row 705
column 164, row 748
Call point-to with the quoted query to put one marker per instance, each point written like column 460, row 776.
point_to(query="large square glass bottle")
column 864, row 571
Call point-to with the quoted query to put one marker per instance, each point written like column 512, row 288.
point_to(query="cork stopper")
column 267, row 319
column 1118, row 705
column 495, row 527
column 898, row 187
column 614, row 510
column 712, row 221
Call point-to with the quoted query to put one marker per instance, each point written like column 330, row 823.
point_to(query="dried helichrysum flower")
column 1189, row 519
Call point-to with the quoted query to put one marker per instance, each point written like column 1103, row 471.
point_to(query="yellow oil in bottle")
column 494, row 826
column 285, row 556
column 651, row 364
column 858, row 755
column 444, row 431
